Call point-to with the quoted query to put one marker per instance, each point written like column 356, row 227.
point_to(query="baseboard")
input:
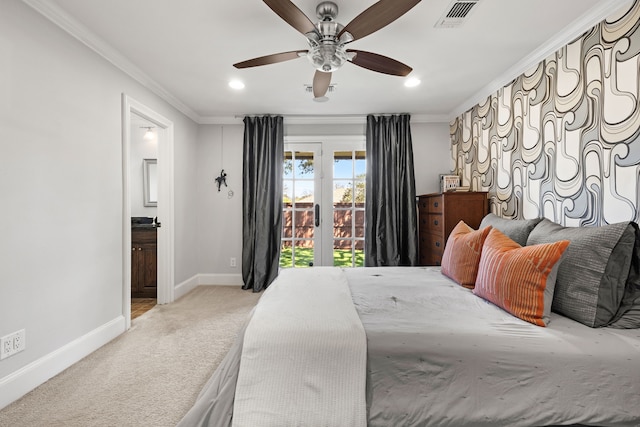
column 207, row 280
column 185, row 287
column 220, row 279
column 22, row 381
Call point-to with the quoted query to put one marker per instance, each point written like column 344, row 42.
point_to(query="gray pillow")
column 628, row 315
column 516, row 229
column 592, row 278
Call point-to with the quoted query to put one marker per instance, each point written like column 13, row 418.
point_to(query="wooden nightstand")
column 438, row 213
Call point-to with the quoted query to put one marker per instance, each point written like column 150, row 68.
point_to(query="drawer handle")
column 435, row 222
column 435, row 204
column 437, row 244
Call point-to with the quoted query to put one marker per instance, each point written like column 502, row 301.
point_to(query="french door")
column 323, row 204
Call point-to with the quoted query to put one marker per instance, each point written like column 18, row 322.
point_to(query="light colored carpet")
column 148, row 376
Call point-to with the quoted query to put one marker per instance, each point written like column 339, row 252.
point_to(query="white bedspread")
column 304, row 355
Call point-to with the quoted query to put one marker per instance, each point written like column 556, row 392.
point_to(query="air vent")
column 457, row 14
column 309, row 88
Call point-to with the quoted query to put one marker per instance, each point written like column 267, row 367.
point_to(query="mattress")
column 439, row 355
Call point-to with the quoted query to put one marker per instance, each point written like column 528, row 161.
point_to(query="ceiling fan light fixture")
column 412, row 82
column 327, row 57
column 236, row 84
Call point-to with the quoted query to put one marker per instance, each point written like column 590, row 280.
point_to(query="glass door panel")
column 349, row 180
column 300, row 188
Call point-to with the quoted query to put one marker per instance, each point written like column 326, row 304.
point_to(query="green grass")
column 341, row 257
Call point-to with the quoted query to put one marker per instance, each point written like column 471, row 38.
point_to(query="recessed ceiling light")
column 412, row 82
column 236, row 84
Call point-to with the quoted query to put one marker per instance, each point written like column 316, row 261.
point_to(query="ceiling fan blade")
column 270, row 59
column 377, row 16
column 321, row 82
column 379, row 63
column 292, row 15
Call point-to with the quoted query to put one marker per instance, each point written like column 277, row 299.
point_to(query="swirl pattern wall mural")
column 563, row 139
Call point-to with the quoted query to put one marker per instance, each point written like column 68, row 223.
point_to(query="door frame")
column 327, row 143
column 166, row 257
column 327, row 199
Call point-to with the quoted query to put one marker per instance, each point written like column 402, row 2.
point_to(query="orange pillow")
column 462, row 254
column 519, row 279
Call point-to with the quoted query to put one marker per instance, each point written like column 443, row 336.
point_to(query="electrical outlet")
column 12, row 344
column 232, row 262
column 6, row 346
column 19, row 341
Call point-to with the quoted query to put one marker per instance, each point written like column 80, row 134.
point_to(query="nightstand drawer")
column 431, row 223
column 430, row 259
column 435, row 223
column 430, row 204
column 435, row 205
column 433, row 243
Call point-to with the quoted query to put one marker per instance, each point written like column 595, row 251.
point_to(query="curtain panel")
column 390, row 207
column 263, row 157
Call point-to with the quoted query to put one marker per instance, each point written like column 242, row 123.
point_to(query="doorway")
column 323, row 203
column 144, row 211
column 133, row 110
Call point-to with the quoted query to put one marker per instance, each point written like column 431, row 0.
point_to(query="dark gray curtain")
column 391, row 224
column 263, row 156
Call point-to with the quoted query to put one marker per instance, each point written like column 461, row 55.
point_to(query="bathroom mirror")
column 150, row 182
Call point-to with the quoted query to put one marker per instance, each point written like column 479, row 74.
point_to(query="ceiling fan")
column 328, row 39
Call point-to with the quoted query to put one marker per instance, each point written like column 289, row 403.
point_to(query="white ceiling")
column 184, row 51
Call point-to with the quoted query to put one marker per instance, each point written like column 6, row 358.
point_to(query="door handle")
column 317, row 215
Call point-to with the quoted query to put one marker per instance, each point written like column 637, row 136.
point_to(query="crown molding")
column 330, row 119
column 71, row 25
column 593, row 17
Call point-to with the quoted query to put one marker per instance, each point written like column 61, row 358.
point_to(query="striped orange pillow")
column 519, row 279
column 462, row 254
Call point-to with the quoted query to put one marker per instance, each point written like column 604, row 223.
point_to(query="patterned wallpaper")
column 563, row 139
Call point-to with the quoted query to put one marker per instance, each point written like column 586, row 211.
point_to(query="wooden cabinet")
column 144, row 262
column 438, row 213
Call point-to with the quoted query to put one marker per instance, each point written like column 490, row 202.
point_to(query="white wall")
column 61, row 254
column 220, row 217
column 431, row 155
column 185, row 198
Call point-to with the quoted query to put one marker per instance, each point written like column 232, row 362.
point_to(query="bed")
column 415, row 348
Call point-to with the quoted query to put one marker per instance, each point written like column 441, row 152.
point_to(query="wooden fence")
column 343, row 224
